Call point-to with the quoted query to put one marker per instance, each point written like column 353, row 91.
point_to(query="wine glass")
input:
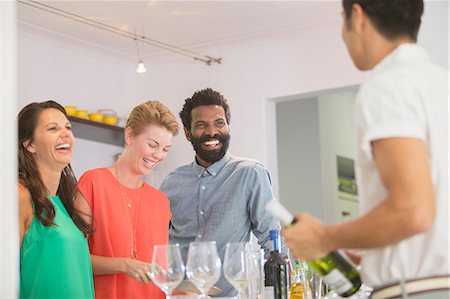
column 167, row 268
column 312, row 282
column 203, row 265
column 238, row 267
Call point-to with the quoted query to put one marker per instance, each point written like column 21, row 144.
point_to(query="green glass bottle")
column 336, row 271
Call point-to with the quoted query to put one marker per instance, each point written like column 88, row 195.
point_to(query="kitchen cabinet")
column 95, row 131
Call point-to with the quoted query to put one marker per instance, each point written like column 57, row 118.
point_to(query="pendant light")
column 45, row 7
column 141, row 67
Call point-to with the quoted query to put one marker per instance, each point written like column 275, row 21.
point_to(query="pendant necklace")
column 127, row 205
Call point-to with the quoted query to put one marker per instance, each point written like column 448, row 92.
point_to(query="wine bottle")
column 275, row 272
column 335, row 270
column 296, row 289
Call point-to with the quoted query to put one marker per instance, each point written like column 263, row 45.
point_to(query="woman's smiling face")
column 53, row 140
column 149, row 148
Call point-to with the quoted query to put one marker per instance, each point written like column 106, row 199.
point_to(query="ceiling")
column 186, row 24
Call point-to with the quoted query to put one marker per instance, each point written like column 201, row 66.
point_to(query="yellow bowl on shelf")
column 110, row 120
column 98, row 117
column 70, row 110
column 81, row 114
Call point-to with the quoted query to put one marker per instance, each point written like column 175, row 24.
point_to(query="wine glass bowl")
column 203, row 265
column 167, row 268
column 238, row 267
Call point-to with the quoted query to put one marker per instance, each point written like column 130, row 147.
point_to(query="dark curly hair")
column 392, row 18
column 203, row 97
column 30, row 178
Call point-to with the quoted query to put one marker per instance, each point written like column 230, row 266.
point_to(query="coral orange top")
column 114, row 229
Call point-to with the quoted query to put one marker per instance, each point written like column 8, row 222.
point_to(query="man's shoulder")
column 181, row 171
column 245, row 163
column 408, row 66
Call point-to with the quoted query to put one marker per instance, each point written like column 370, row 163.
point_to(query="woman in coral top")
column 129, row 216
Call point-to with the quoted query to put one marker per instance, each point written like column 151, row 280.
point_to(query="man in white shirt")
column 402, row 158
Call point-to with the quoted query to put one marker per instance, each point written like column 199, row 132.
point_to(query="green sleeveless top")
column 55, row 260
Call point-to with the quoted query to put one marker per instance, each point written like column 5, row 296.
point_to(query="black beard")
column 214, row 155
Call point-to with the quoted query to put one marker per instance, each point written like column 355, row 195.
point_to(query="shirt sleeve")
column 388, row 108
column 261, row 193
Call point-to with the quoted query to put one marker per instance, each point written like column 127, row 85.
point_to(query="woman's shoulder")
column 96, row 173
column 151, row 192
column 24, row 193
column 25, row 202
column 149, row 189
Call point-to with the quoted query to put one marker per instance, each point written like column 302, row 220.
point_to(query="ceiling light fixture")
column 162, row 45
column 141, row 67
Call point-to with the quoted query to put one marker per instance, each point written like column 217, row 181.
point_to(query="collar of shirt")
column 405, row 51
column 213, row 169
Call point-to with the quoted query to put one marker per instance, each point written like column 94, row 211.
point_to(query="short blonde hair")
column 152, row 113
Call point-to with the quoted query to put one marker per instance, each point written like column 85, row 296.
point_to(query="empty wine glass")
column 167, row 268
column 238, row 268
column 203, row 265
column 312, row 282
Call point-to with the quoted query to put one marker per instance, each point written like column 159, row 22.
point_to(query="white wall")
column 54, row 67
column 434, row 32
column 257, row 70
column 253, row 72
column 9, row 233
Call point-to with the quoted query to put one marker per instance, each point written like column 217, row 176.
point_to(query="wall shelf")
column 95, row 131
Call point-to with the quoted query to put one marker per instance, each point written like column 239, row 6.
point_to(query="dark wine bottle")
column 336, row 271
column 275, row 272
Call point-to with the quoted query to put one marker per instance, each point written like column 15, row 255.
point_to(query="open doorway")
column 311, row 131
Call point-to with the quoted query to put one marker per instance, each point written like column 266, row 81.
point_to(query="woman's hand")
column 137, row 270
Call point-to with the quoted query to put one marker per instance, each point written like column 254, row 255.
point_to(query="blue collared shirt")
column 224, row 203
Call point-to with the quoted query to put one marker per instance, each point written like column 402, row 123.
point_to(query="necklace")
column 133, row 240
column 128, row 205
column 124, row 197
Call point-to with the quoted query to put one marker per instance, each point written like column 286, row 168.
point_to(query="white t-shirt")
column 406, row 95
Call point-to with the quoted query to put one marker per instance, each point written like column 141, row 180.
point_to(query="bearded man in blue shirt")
column 217, row 197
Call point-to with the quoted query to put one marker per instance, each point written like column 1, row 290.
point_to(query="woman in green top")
column 54, row 255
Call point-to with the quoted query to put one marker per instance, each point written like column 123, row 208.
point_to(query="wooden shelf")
column 95, row 131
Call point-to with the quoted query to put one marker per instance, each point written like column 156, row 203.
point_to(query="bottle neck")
column 276, row 244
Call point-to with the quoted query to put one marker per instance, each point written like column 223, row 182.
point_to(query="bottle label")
column 269, row 292
column 283, row 282
column 337, row 281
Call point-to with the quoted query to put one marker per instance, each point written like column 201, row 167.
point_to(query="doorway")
column 311, row 131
